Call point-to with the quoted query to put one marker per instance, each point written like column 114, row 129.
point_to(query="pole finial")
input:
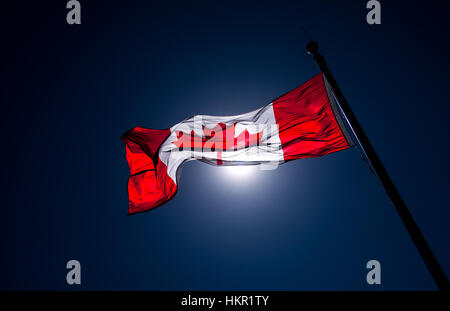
column 312, row 47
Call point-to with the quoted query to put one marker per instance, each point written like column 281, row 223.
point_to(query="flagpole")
column 380, row 171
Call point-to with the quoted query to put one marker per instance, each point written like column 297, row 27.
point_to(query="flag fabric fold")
column 304, row 122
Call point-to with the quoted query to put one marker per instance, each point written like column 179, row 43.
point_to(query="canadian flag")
column 304, row 122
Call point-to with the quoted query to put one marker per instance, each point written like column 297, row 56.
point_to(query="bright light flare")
column 240, row 171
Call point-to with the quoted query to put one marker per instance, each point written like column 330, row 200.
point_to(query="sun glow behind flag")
column 302, row 123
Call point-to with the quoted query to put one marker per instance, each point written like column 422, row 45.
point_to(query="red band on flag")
column 148, row 184
column 306, row 123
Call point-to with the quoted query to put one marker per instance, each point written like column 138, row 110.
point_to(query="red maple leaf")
column 220, row 138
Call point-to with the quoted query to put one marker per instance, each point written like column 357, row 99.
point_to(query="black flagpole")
column 383, row 176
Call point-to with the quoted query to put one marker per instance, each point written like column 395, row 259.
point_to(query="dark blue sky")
column 69, row 92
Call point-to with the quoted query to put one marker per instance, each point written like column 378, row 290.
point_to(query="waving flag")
column 303, row 123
